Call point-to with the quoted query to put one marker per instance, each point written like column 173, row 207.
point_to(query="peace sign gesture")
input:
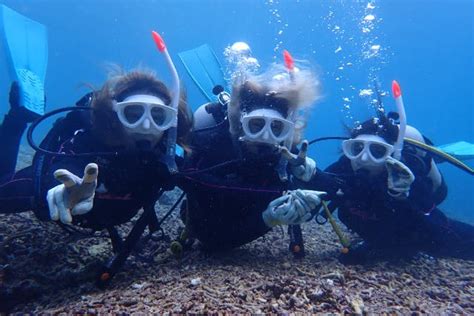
column 400, row 178
column 75, row 196
column 301, row 166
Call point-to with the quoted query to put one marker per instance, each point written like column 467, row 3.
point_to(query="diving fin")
column 203, row 67
column 26, row 45
column 461, row 150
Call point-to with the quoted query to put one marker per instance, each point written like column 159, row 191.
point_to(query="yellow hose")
column 453, row 160
column 345, row 243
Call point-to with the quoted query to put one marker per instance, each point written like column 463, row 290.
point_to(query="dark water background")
column 427, row 45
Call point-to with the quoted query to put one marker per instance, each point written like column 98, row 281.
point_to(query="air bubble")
column 365, row 92
column 369, row 17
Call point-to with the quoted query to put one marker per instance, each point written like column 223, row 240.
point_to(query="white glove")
column 292, row 208
column 302, row 167
column 399, row 178
column 75, row 196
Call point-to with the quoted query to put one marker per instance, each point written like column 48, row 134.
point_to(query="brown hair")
column 106, row 124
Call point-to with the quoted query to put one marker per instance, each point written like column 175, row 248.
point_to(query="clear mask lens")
column 356, row 148
column 277, row 128
column 378, row 151
column 256, row 125
column 159, row 116
column 133, row 113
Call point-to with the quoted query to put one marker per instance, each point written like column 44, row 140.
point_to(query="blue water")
column 426, row 45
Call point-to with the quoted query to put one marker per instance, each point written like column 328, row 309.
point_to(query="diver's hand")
column 293, row 208
column 302, row 167
column 399, row 178
column 75, row 196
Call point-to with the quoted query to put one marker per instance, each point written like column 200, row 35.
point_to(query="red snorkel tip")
column 397, row 92
column 160, row 43
column 289, row 62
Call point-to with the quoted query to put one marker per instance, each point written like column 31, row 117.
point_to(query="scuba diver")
column 387, row 191
column 120, row 145
column 121, row 137
column 241, row 188
column 128, row 123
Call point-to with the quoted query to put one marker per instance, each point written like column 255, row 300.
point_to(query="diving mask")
column 145, row 114
column 266, row 126
column 367, row 150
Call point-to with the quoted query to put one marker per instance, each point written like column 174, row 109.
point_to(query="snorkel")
column 397, row 94
column 172, row 131
column 281, row 168
column 289, row 64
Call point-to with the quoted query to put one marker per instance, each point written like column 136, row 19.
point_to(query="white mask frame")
column 266, row 133
column 146, row 123
column 367, row 146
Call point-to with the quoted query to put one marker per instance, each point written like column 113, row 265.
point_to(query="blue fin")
column 461, row 150
column 26, row 43
column 204, row 68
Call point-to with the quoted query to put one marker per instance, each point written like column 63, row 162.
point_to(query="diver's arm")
column 431, row 170
column 49, row 181
column 329, row 180
column 429, row 188
column 256, row 223
column 422, row 198
column 237, row 233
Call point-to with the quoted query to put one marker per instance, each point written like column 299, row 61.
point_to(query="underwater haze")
column 426, row 45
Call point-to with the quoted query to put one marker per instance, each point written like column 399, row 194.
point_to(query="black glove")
column 14, row 95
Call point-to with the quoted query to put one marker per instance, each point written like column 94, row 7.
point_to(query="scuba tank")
column 218, row 110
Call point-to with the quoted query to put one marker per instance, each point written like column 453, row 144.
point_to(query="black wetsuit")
column 225, row 205
column 384, row 222
column 125, row 182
